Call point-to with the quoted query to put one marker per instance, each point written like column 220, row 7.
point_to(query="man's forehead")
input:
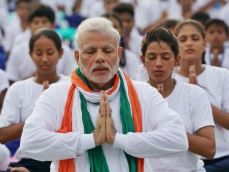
column 97, row 39
column 95, row 45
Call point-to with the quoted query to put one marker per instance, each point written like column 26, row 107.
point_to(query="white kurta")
column 215, row 81
column 163, row 131
column 193, row 106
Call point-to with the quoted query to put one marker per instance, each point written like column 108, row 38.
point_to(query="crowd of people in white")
column 178, row 48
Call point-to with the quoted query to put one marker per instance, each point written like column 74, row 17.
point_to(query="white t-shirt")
column 193, row 106
column 215, row 81
column 224, row 12
column 135, row 42
column 21, row 38
column 5, row 157
column 132, row 64
column 163, row 132
column 4, row 82
column 223, row 57
column 21, row 66
column 10, row 34
column 20, row 100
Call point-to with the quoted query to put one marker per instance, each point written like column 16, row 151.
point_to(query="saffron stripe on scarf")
column 68, row 165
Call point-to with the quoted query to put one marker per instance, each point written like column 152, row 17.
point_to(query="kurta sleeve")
column 164, row 131
column 39, row 138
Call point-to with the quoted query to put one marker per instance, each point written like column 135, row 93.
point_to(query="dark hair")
column 42, row 11
column 170, row 23
column 114, row 15
column 49, row 33
column 201, row 17
column 124, row 8
column 193, row 23
column 218, row 23
column 160, row 34
column 22, row 1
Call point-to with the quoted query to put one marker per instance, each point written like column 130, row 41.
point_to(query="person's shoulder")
column 3, row 74
column 57, row 92
column 191, row 89
column 63, row 78
column 143, row 87
column 217, row 71
column 61, row 86
column 4, row 80
column 22, row 84
column 20, row 48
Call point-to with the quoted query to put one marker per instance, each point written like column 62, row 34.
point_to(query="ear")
column 77, row 56
column 53, row 26
column 142, row 59
column 177, row 60
column 120, row 51
column 30, row 53
column 61, row 52
column 205, row 43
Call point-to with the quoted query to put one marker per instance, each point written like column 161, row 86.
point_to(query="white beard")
column 99, row 79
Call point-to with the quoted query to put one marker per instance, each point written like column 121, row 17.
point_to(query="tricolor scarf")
column 130, row 114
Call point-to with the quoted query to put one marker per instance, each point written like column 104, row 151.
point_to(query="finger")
column 102, row 109
column 192, row 69
column 108, row 109
column 46, row 84
column 160, row 88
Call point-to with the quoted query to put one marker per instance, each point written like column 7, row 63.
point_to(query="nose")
column 158, row 62
column 100, row 56
column 44, row 58
column 189, row 42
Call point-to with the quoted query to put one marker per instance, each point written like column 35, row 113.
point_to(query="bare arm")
column 11, row 132
column 220, row 117
column 203, row 142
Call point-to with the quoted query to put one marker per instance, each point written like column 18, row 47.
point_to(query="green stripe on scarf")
column 127, row 122
column 96, row 156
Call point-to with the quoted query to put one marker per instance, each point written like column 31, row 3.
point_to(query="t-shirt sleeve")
column 202, row 112
column 11, row 111
column 225, row 83
column 12, row 65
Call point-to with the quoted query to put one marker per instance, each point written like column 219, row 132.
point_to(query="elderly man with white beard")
column 100, row 120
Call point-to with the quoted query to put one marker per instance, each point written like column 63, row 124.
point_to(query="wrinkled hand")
column 105, row 130
column 110, row 128
column 192, row 75
column 46, row 85
column 160, row 88
column 99, row 133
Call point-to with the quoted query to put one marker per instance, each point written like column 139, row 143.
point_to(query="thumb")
column 46, row 84
column 160, row 88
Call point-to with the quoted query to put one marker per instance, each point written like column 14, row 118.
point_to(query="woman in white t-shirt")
column 45, row 50
column 214, row 80
column 159, row 56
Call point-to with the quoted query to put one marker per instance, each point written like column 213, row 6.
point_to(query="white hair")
column 96, row 24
